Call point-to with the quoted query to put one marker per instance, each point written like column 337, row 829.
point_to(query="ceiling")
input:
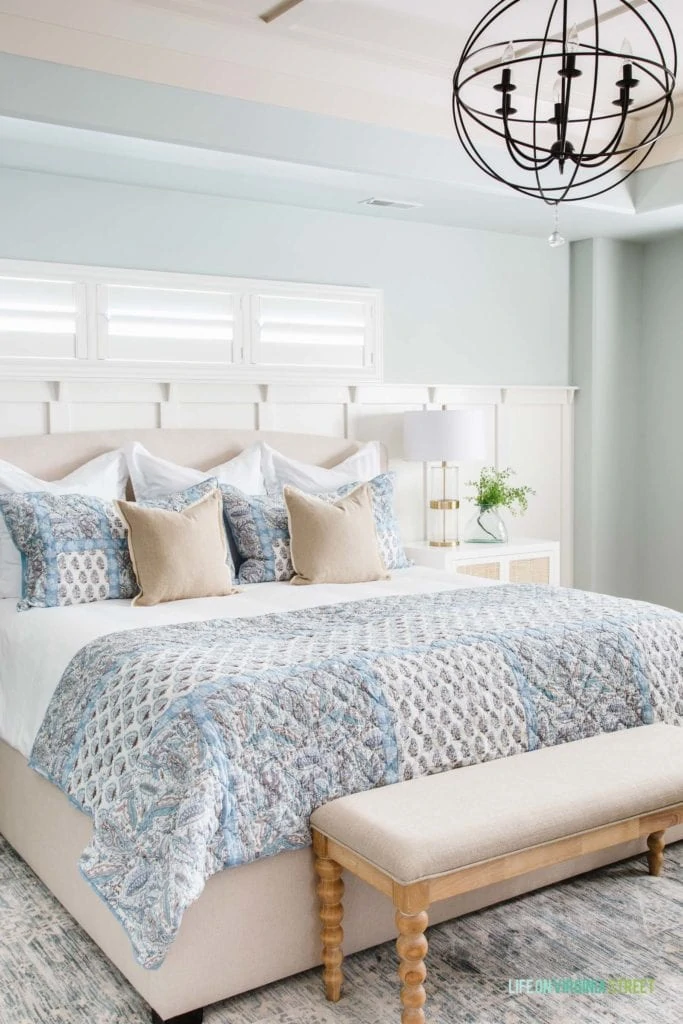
column 381, row 63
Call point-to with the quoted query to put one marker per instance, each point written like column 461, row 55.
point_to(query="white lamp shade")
column 444, row 435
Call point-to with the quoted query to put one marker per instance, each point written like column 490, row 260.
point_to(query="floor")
column 616, row 923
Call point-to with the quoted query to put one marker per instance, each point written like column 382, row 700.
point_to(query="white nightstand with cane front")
column 519, row 561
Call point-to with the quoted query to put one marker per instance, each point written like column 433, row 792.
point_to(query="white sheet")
column 37, row 645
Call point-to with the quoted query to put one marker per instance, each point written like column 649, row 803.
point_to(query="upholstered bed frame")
column 253, row 924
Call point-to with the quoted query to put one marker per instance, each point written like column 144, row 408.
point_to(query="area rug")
column 615, row 936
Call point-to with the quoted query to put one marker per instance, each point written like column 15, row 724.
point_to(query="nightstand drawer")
column 530, row 570
column 486, row 570
column 520, row 561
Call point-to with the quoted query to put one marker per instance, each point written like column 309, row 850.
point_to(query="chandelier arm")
column 608, row 188
column 519, row 158
column 609, row 149
column 610, row 170
column 501, row 134
column 468, row 145
column 657, row 128
column 470, row 149
column 516, row 151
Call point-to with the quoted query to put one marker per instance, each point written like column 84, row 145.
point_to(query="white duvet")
column 37, row 645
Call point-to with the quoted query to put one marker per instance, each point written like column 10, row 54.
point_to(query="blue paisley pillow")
column 386, row 523
column 260, row 529
column 74, row 548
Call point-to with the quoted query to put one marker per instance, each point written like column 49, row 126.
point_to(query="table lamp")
column 445, row 437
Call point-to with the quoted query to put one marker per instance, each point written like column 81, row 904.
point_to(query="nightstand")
column 519, row 561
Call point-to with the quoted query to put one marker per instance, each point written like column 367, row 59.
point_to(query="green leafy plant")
column 493, row 490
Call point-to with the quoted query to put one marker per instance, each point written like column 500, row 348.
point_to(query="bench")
column 441, row 835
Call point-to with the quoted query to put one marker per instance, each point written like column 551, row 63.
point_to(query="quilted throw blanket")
column 200, row 746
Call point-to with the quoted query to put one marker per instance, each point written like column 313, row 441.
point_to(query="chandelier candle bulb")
column 573, row 41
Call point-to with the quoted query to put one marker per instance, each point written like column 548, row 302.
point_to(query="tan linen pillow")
column 333, row 543
column 178, row 555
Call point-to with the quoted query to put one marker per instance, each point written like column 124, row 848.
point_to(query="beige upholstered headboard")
column 52, row 456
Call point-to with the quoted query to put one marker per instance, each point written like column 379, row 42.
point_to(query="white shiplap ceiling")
column 379, row 61
column 386, row 63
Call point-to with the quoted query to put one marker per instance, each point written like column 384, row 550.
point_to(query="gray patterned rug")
column 617, row 923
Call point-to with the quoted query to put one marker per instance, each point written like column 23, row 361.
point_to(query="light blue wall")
column 660, row 471
column 606, row 329
column 461, row 306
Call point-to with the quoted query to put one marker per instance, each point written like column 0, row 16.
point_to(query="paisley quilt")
column 205, row 745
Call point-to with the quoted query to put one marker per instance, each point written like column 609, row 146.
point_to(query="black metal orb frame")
column 585, row 171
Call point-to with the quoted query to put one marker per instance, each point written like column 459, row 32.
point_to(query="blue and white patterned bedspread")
column 205, row 745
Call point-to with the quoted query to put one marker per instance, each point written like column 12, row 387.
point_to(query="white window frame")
column 91, row 360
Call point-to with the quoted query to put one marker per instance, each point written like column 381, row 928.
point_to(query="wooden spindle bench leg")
column 655, row 856
column 330, row 891
column 411, row 946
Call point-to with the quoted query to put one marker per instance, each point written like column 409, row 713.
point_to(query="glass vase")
column 486, row 526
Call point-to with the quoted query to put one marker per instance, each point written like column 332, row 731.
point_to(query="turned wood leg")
column 412, row 949
column 330, row 892
column 655, row 856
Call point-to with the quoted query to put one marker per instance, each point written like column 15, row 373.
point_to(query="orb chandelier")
column 550, row 101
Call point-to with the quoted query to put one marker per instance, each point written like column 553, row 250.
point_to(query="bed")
column 253, row 923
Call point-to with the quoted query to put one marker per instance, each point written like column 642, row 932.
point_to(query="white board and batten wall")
column 85, row 348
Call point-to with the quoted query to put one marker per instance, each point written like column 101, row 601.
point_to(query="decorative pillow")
column 388, row 532
column 181, row 500
column 333, row 542
column 154, row 478
column 260, row 530
column 73, row 546
column 104, row 477
column 178, row 555
column 278, row 470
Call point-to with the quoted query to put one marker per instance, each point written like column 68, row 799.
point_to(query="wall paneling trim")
column 528, row 428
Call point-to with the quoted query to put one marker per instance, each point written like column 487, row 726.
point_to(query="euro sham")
column 279, row 470
column 153, row 478
column 104, row 477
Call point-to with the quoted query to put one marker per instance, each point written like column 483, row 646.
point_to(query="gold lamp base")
column 444, row 520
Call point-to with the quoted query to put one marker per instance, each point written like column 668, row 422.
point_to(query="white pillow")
column 104, row 477
column 278, row 470
column 153, row 477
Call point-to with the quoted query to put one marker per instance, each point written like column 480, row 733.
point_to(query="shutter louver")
column 166, row 325
column 39, row 319
column 301, row 330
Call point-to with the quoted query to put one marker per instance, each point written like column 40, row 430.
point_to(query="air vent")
column 396, row 204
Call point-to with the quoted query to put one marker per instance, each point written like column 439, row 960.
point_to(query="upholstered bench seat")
column 434, row 837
